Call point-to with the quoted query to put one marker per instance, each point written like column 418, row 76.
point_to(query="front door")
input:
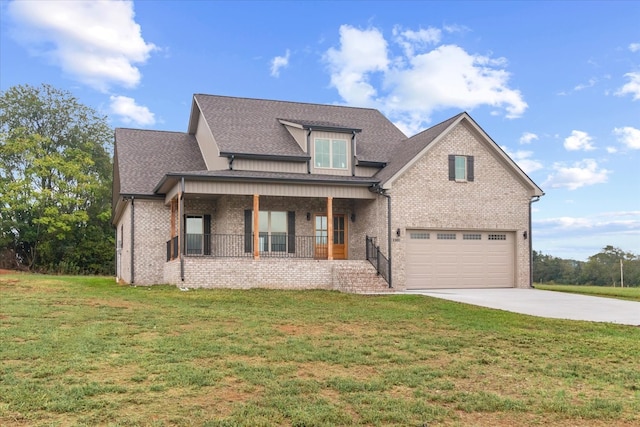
column 339, row 237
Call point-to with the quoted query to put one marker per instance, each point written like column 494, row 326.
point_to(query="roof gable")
column 415, row 147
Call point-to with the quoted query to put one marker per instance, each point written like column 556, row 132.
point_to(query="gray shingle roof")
column 144, row 157
column 405, row 150
column 251, row 126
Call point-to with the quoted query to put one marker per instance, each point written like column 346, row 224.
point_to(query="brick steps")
column 359, row 278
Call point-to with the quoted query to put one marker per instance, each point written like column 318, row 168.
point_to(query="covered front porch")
column 297, row 241
column 222, row 226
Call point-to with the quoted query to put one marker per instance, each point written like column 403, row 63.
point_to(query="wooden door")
column 339, row 236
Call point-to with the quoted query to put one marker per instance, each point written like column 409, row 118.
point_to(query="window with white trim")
column 195, row 234
column 273, row 231
column 461, row 168
column 330, row 153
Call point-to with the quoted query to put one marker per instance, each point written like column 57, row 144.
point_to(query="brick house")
column 261, row 193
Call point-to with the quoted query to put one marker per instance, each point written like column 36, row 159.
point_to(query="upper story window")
column 330, row 153
column 461, row 168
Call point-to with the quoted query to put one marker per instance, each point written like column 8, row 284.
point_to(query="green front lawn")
column 85, row 351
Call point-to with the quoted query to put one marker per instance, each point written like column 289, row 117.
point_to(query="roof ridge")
column 450, row 119
column 152, row 130
column 290, row 102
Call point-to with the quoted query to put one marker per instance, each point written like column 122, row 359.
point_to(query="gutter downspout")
column 389, row 236
column 309, row 150
column 231, row 159
column 182, row 232
column 532, row 201
column 133, row 235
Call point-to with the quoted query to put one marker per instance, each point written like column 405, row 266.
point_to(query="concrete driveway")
column 540, row 303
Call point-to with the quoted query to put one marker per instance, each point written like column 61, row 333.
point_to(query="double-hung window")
column 273, row 231
column 195, row 234
column 330, row 153
column 461, row 168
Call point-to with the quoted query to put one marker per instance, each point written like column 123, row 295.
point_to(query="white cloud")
column 361, row 52
column 578, row 140
column 96, row 42
column 580, row 174
column 632, row 87
column 628, row 136
column 528, row 138
column 279, row 62
column 634, row 47
column 412, row 40
column 581, row 237
column 582, row 86
column 612, row 150
column 417, row 81
column 524, row 160
column 129, row 112
column 604, row 221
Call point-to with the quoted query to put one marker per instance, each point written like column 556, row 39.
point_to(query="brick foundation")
column 354, row 276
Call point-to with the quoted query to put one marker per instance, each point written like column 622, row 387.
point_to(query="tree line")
column 55, row 183
column 601, row 269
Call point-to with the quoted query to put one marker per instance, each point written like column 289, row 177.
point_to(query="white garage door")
column 459, row 259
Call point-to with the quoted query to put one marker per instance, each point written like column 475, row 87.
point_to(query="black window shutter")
column 248, row 241
column 207, row 234
column 452, row 167
column 469, row 168
column 291, row 231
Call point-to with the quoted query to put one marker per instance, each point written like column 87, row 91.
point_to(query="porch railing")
column 172, row 248
column 377, row 258
column 241, row 246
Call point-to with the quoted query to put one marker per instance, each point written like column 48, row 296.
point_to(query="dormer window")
column 330, row 153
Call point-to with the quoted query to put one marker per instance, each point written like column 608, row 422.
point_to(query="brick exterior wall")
column 423, row 197
column 151, row 229
column 151, row 232
column 123, row 254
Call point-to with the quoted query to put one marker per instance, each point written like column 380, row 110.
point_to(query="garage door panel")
column 450, row 259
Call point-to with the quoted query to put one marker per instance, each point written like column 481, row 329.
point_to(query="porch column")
column 256, row 226
column 329, row 228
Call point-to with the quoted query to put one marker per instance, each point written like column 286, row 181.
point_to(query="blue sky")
column 556, row 84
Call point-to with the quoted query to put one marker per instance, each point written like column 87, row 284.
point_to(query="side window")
column 461, row 168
